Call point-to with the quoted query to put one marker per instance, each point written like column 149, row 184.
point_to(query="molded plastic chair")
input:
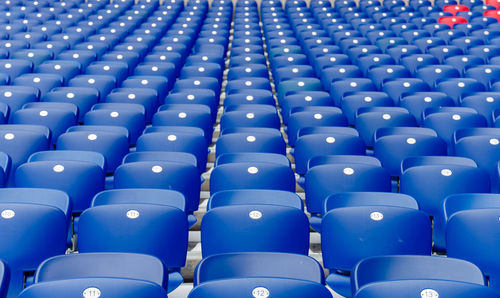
column 340, row 174
column 431, row 179
column 255, row 140
column 175, row 175
column 478, row 144
column 32, row 234
column 471, row 236
column 279, row 228
column 395, row 144
column 369, row 120
column 354, row 233
column 106, row 229
column 89, row 165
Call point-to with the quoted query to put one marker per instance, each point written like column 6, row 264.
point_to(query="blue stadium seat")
column 285, row 229
column 446, row 120
column 175, row 175
column 383, row 230
column 457, row 88
column 416, row 103
column 103, row 229
column 479, row 144
column 175, row 141
column 78, row 173
column 341, row 173
column 394, row 144
column 362, row 198
column 439, row 177
column 369, row 119
column 32, row 233
column 112, row 144
column 469, row 236
column 103, row 83
column 128, row 115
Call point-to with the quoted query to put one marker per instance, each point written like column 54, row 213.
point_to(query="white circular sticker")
column 255, row 215
column 92, row 137
column 172, row 138
column 114, row 114
column 494, row 142
column 132, row 214
column 157, row 169
column 376, row 216
column 251, row 139
column 446, row 172
column 411, row 141
column 253, row 170
column 182, row 115
column 58, row 168
column 348, row 171
column 330, row 140
column 318, row 116
column 92, row 293
column 429, row 293
column 8, row 213
column 260, row 292
column 250, row 115
column 9, row 136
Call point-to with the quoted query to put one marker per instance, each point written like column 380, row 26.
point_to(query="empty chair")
column 83, row 98
column 446, row 120
column 380, row 74
column 369, row 119
column 367, row 198
column 486, row 74
column 20, row 141
column 470, row 236
column 479, row 144
column 102, row 265
column 352, row 102
column 430, row 179
column 103, row 83
column 176, row 141
column 433, row 73
column 112, row 143
column 278, row 287
column 67, row 69
column 395, row 268
column 43, row 82
column 243, row 175
column 398, row 88
column 457, row 88
column 173, row 174
column 311, row 145
column 144, row 96
column 417, row 103
column 342, row 87
column 78, row 173
column 485, row 103
column 395, row 144
column 16, row 96
column 160, row 84
column 56, row 117
column 15, row 67
column 341, row 173
column 283, row 229
column 313, row 116
column 111, row 287
column 351, row 234
column 303, row 99
column 128, row 115
column 32, row 233
column 258, row 264
column 103, row 229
